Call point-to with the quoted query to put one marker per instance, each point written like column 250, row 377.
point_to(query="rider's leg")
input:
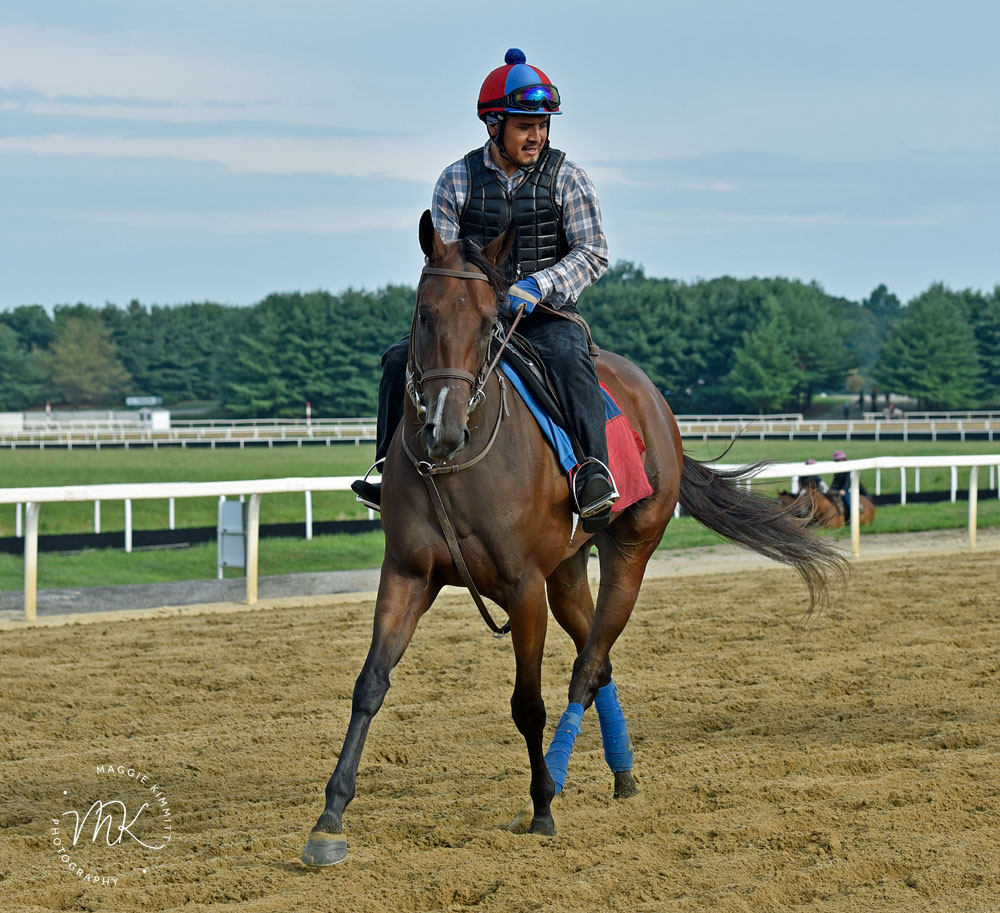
column 562, row 345
column 391, row 393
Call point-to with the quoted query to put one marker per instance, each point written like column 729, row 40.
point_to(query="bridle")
column 416, row 376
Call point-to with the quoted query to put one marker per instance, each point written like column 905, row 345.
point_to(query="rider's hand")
column 523, row 293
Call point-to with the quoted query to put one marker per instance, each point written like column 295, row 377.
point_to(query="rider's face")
column 524, row 138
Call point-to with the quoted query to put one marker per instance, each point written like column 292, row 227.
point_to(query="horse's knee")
column 528, row 712
column 369, row 691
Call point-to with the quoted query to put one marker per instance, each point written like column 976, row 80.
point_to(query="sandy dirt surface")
column 849, row 765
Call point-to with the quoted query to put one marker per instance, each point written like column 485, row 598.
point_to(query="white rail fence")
column 255, row 489
column 269, row 432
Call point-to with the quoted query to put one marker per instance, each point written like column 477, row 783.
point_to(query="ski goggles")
column 527, row 98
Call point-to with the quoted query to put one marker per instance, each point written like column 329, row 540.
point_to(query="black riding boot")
column 391, row 393
column 562, row 345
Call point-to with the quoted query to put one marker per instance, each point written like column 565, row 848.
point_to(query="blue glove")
column 523, row 293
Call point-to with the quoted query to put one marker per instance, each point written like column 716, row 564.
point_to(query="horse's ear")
column 430, row 241
column 498, row 249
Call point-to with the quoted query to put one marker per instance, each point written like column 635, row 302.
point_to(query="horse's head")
column 457, row 308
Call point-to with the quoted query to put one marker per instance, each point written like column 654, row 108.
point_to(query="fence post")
column 916, row 480
column 309, row 515
column 31, row 560
column 253, row 541
column 878, row 481
column 954, row 484
column 855, row 513
column 902, row 484
column 171, row 514
column 128, row 526
column 973, row 504
column 97, row 516
column 18, row 524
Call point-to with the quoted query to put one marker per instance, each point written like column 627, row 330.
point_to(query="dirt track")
column 848, row 767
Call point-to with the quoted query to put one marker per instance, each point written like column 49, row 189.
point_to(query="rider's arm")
column 449, row 196
column 587, row 259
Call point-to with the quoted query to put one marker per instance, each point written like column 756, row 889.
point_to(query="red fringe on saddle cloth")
column 625, row 450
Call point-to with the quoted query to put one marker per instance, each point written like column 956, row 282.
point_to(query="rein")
column 427, row 470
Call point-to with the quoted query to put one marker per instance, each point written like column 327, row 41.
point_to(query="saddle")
column 526, row 372
column 522, row 357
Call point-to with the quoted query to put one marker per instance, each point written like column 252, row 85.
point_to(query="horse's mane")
column 472, row 253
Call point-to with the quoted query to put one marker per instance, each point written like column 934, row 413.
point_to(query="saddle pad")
column 625, row 447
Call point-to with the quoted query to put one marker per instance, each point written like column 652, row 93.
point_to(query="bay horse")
column 507, row 503
column 822, row 511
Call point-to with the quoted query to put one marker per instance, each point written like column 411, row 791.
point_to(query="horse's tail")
column 714, row 498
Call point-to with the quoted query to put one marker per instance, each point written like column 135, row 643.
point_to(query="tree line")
column 721, row 345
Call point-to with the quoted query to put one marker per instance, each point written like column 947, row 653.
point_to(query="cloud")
column 82, row 127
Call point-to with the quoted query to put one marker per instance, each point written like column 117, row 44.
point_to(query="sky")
column 221, row 150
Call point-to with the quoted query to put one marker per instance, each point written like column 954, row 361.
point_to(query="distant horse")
column 469, row 466
column 821, row 510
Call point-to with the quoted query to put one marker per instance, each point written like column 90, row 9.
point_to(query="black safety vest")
column 489, row 207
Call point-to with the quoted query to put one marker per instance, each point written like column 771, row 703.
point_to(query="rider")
column 841, row 483
column 560, row 250
column 812, row 481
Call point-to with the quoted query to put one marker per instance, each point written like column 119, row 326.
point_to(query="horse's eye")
column 423, row 318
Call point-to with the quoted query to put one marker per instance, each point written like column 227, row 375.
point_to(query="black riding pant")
column 562, row 346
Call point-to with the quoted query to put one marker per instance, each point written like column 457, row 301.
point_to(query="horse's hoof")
column 542, row 824
column 625, row 784
column 324, row 849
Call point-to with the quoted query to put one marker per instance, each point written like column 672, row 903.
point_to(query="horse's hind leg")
column 623, row 562
column 572, row 607
column 401, row 601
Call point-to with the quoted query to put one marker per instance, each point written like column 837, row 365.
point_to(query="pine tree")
column 930, row 353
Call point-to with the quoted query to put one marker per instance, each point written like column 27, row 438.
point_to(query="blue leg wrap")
column 557, row 757
column 614, row 732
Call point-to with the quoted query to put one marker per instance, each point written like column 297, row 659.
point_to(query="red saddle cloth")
column 625, row 450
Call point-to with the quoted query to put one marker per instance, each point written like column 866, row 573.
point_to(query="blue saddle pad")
column 555, row 435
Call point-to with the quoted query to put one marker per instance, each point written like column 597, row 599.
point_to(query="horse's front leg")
column 402, row 599
column 528, row 619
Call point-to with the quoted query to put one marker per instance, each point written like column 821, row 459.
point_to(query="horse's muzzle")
column 445, row 445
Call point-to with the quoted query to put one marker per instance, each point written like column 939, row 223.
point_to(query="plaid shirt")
column 576, row 200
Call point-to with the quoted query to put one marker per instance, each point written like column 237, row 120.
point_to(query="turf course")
column 339, row 552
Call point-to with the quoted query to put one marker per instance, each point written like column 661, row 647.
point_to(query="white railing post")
column 18, row 522
column 128, row 526
column 855, row 513
column 309, row 515
column 954, row 484
column 253, row 541
column 31, row 560
column 916, row 480
column 97, row 516
column 973, row 504
column 878, row 481
column 902, row 484
column 171, row 514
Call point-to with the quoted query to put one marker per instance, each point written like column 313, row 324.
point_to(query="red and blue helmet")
column 517, row 88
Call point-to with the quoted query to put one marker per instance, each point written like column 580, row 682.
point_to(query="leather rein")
column 415, row 378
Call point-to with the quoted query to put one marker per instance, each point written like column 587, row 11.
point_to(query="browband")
column 454, row 273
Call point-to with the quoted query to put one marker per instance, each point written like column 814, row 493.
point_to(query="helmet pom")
column 514, row 56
